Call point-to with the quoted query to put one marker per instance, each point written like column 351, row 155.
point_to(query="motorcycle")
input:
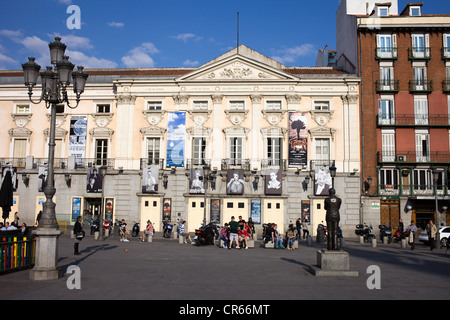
column 321, row 232
column 398, row 236
column 365, row 231
column 135, row 230
column 95, row 226
column 204, row 236
column 167, row 229
column 385, row 231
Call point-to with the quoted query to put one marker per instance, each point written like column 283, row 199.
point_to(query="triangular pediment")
column 235, row 66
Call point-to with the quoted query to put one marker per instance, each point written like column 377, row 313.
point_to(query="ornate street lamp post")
column 54, row 91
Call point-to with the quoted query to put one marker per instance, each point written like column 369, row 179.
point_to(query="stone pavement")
column 167, row 270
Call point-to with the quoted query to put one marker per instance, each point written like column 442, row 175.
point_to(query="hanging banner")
column 256, row 211
column 76, row 208
column 176, row 136
column 273, row 182
column 298, row 140
column 215, row 211
column 77, row 139
column 150, row 179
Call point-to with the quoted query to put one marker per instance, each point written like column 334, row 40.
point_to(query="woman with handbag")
column 79, row 234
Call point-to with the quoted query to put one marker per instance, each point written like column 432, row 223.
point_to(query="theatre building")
column 403, row 59
column 241, row 135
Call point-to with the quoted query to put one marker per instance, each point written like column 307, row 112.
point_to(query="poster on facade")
column 176, row 136
column 42, row 178
column 13, row 171
column 323, row 182
column 306, row 215
column 94, row 181
column 77, row 139
column 298, row 140
column 273, row 183
column 76, row 208
column 215, row 211
column 235, row 181
column 109, row 209
column 150, row 179
column 167, row 209
column 256, row 211
column 196, row 181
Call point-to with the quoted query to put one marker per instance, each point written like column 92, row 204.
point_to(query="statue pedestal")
column 46, row 255
column 333, row 264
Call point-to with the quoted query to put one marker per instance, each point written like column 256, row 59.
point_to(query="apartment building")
column 403, row 59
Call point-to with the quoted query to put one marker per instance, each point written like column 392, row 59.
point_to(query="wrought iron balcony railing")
column 388, row 85
column 419, row 53
column 421, row 86
column 383, row 53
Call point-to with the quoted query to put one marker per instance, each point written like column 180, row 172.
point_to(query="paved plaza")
column 167, row 270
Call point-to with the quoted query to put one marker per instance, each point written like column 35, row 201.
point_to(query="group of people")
column 238, row 232
column 14, row 225
column 280, row 241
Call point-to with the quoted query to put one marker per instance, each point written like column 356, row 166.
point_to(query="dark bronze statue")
column 332, row 205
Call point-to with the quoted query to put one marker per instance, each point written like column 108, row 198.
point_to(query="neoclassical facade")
column 262, row 135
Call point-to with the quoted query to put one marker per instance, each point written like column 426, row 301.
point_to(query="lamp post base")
column 46, row 255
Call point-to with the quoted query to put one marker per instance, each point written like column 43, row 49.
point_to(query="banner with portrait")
column 273, row 182
column 235, row 181
column 176, row 136
column 77, row 139
column 94, row 181
column 150, row 179
column 13, row 171
column 298, row 140
column 215, row 211
column 306, row 214
column 196, row 181
column 322, row 182
column 167, row 209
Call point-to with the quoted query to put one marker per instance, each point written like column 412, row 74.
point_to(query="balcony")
column 419, row 53
column 383, row 53
column 414, row 120
column 235, row 164
column 412, row 190
column 197, row 163
column 388, row 86
column 274, row 164
column 413, row 157
column 446, row 53
column 446, row 86
column 148, row 162
column 94, row 162
column 420, row 86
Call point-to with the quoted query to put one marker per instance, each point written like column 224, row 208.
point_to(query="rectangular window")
column 387, row 46
column 103, row 108
column 446, row 46
column 383, row 11
column 153, row 150
column 200, row 105
column 101, row 152
column 199, row 151
column 154, row 105
column 388, row 145
column 387, row 77
column 20, row 148
column 273, row 105
column 422, row 146
column 386, row 112
column 274, row 151
column 323, row 150
column 421, row 111
column 23, row 108
column 414, row 11
column 389, row 179
column 237, row 105
column 322, row 105
column 236, row 151
column 422, row 179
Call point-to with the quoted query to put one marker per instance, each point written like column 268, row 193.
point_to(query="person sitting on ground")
column 147, row 231
column 124, row 233
column 291, row 236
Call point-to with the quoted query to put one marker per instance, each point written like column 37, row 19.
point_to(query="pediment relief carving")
column 59, row 133
column 20, row 133
column 101, row 132
column 153, row 117
column 322, row 132
column 20, row 119
column 102, row 119
column 322, row 117
column 273, row 117
column 236, row 117
column 153, row 131
column 199, row 131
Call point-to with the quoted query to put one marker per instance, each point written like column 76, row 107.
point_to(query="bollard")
column 309, row 241
column 374, row 242
column 181, row 239
column 341, row 242
column 72, row 235
column 174, row 233
column 385, row 240
column 150, row 238
column 96, row 235
column 404, row 242
column 361, row 239
column 106, row 232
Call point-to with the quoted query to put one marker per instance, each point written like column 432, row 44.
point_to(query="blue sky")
column 170, row 33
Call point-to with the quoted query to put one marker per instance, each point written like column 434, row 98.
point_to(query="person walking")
column 432, row 231
column 298, row 226
column 79, row 235
column 305, row 229
column 412, row 228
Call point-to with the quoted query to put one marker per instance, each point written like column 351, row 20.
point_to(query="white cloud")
column 68, row 2
column 5, row 60
column 11, row 33
column 187, row 36
column 139, row 57
column 74, row 42
column 190, row 63
column 80, row 59
column 289, row 55
column 116, row 24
